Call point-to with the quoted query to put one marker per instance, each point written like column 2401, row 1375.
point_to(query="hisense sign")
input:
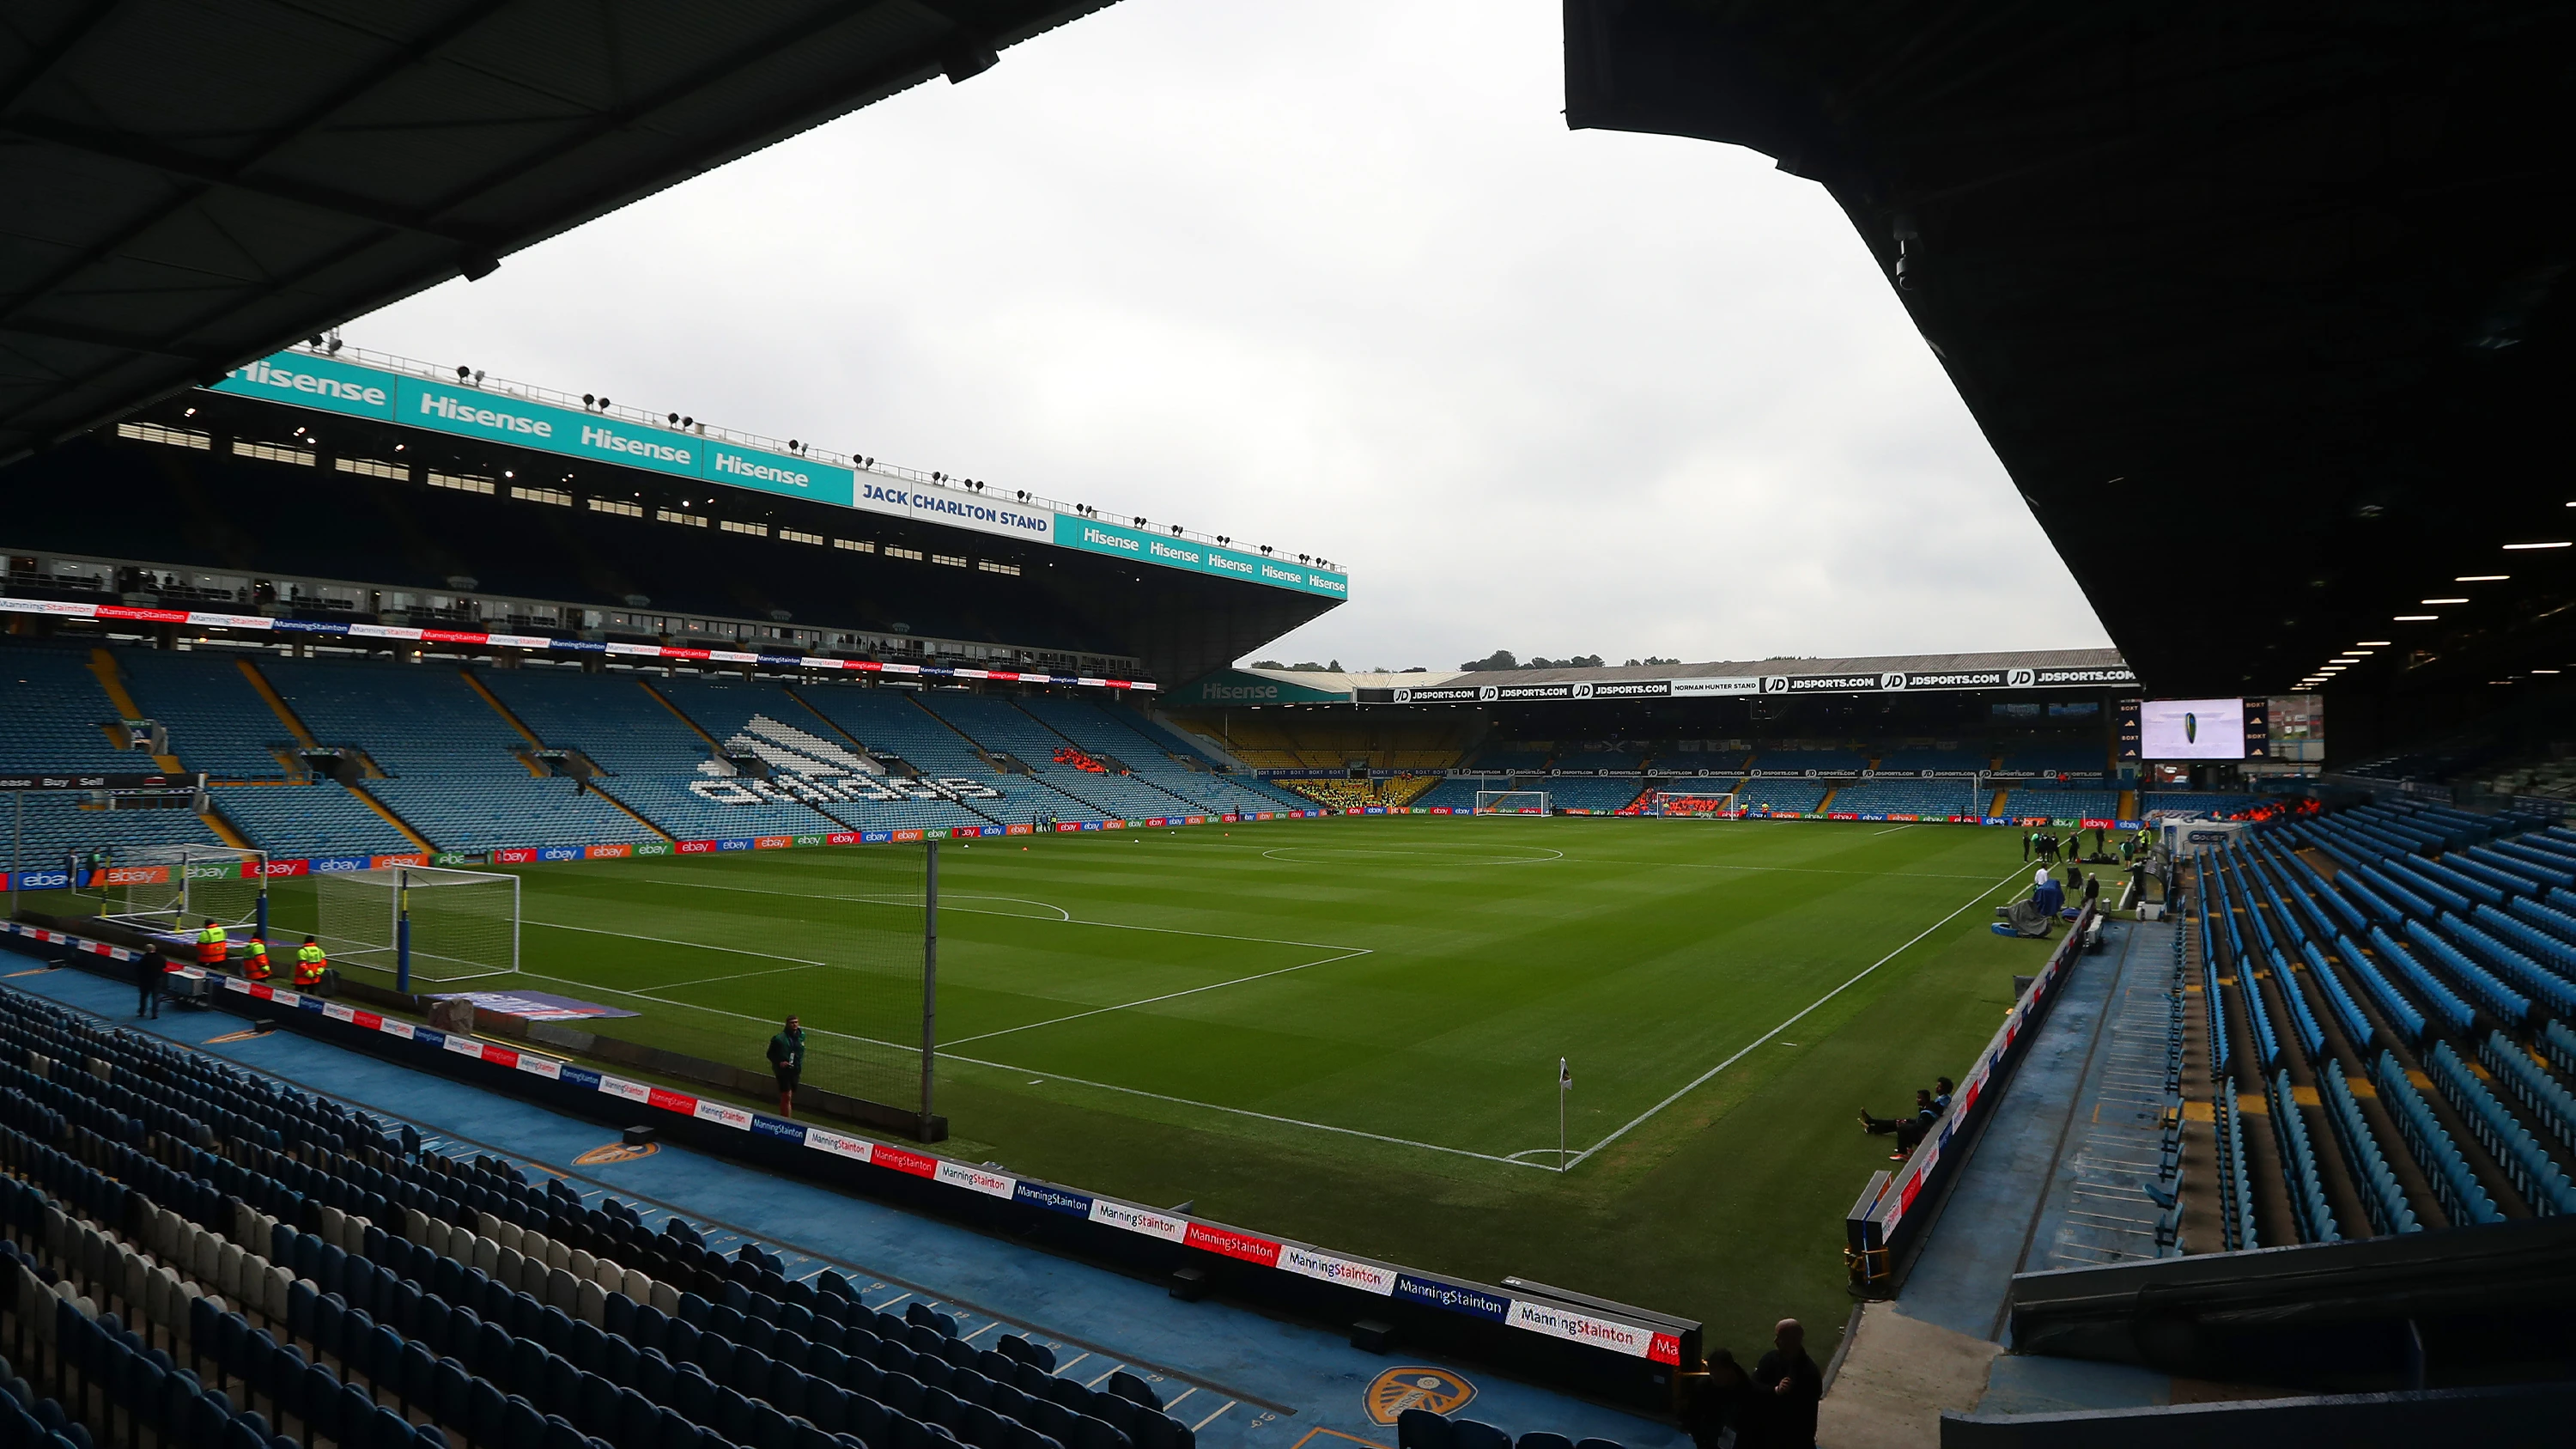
column 497, row 414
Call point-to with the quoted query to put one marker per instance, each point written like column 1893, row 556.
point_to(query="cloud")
column 1332, row 276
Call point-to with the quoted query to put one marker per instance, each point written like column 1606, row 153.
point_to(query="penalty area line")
column 1703, row 1078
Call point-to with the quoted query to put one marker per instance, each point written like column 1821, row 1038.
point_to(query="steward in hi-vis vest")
column 309, row 962
column 210, row 947
column 255, row 960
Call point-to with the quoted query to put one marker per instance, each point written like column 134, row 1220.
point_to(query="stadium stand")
column 1951, row 758
column 2086, row 760
column 56, row 826
column 455, row 770
column 2393, row 983
column 322, row 817
column 2220, row 805
column 651, row 753
column 772, row 723
column 2060, row 804
column 1942, row 798
column 217, row 722
column 892, row 723
column 174, row 1223
column 1506, row 759
column 1135, row 742
column 1800, row 796
column 1001, row 727
column 1825, row 760
column 1598, row 795
column 57, row 713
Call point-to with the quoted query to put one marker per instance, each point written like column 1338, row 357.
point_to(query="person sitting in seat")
column 1908, row 1130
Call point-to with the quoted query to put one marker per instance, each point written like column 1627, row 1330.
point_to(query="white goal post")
column 419, row 922
column 176, row 887
column 1694, row 803
column 1511, row 802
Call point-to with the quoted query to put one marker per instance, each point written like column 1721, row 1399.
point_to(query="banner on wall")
column 495, row 415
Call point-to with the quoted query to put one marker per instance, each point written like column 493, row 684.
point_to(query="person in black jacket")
column 1787, row 1386
column 148, row 971
column 1716, row 1401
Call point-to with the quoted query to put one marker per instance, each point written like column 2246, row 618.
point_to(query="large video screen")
column 2192, row 729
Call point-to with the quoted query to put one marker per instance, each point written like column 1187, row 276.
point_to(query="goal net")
column 463, row 923
column 1511, row 802
column 1719, row 804
column 177, row 887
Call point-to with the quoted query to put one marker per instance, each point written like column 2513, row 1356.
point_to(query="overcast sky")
column 1331, row 275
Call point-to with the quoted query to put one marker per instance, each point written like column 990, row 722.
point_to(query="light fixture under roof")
column 2481, row 578
column 2417, row 618
column 2372, row 644
column 2546, row 671
column 2562, row 543
column 2441, row 601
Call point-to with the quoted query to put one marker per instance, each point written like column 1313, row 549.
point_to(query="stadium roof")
column 1871, row 674
column 2264, row 309
column 190, row 184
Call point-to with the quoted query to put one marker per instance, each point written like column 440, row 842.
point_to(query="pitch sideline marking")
column 1273, row 854
column 669, row 941
column 1078, row 1081
column 1246, row 1112
column 1697, row 1082
column 1069, row 919
column 1166, row 996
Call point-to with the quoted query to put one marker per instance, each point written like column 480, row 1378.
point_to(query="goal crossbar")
column 1511, row 802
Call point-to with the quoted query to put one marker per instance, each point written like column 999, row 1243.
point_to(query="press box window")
column 371, row 468
column 555, row 496
column 898, row 551
column 757, row 530
column 175, row 437
column 799, row 536
column 622, row 510
column 986, row 565
column 461, row 482
column 271, row 452
column 953, row 560
column 854, row 545
column 665, row 515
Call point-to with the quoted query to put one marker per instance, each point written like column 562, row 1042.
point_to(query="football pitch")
column 1349, row 1030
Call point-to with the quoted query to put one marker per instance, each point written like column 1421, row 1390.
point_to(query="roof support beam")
column 223, row 175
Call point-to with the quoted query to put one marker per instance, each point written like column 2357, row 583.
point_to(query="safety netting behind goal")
column 464, row 924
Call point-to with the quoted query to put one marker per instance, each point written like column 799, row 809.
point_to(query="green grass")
column 1347, row 1031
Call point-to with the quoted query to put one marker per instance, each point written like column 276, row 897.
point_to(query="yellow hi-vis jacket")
column 210, row 946
column 255, row 960
column 308, row 966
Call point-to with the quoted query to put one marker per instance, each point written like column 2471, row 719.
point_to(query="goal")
column 1717, row 804
column 177, row 887
column 419, row 922
column 1511, row 802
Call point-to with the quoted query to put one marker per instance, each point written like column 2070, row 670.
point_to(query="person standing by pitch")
column 787, row 1060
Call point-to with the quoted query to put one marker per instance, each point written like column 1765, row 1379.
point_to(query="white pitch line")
column 1700, row 1080
column 1891, row 830
column 1245, row 1112
column 1016, row 916
column 738, row 976
column 1166, row 996
column 668, row 941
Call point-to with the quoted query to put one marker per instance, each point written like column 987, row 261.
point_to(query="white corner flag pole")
column 1564, row 1089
